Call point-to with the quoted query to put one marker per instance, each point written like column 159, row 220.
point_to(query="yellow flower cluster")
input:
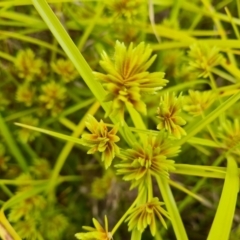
column 202, row 59
column 101, row 140
column 127, row 78
column 169, row 116
column 149, row 158
column 142, row 216
column 27, row 65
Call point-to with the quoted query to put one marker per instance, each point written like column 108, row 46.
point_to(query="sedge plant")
column 122, row 120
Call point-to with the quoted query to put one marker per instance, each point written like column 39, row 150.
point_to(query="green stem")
column 17, row 115
column 137, row 121
column 68, row 147
column 200, row 171
column 136, row 235
column 127, row 212
column 6, row 230
column 18, row 182
column 6, row 190
column 7, row 57
column 209, row 118
column 210, row 130
column 149, row 186
column 225, row 212
column 77, row 59
column 15, row 151
column 171, row 205
column 31, row 40
column 100, row 7
column 175, row 11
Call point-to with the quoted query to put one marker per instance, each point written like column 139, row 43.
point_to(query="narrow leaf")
column 51, row 133
column 171, row 205
column 222, row 223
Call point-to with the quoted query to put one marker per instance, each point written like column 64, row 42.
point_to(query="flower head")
column 25, row 94
column 203, row 59
column 151, row 157
column 229, row 133
column 127, row 78
column 100, row 186
column 101, row 140
column 168, row 113
column 125, row 8
column 197, row 102
column 97, row 233
column 65, row 69
column 53, row 96
column 27, row 65
column 145, row 214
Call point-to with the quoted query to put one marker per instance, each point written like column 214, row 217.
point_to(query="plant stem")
column 6, row 230
column 12, row 145
column 77, row 59
column 171, row 205
column 69, row 145
column 210, row 117
column 127, row 212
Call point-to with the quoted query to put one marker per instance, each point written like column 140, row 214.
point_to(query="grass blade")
column 12, row 145
column 171, row 205
column 222, row 223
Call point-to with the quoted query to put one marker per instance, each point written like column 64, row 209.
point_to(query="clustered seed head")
column 127, row 78
column 27, row 66
column 125, row 8
column 142, row 216
column 25, row 94
column 100, row 187
column 168, row 113
column 96, row 233
column 229, row 133
column 203, row 59
column 65, row 69
column 101, row 140
column 197, row 102
column 152, row 157
column 53, row 96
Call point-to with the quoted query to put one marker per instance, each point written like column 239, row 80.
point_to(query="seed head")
column 197, row 102
column 96, row 233
column 168, row 113
column 28, row 67
column 203, row 59
column 151, row 157
column 25, row 94
column 53, row 96
column 65, row 69
column 229, row 133
column 142, row 216
column 101, row 140
column 127, row 78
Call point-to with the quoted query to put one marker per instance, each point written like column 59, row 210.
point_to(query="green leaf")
column 222, row 223
column 15, row 151
column 200, row 171
column 51, row 133
column 196, row 128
